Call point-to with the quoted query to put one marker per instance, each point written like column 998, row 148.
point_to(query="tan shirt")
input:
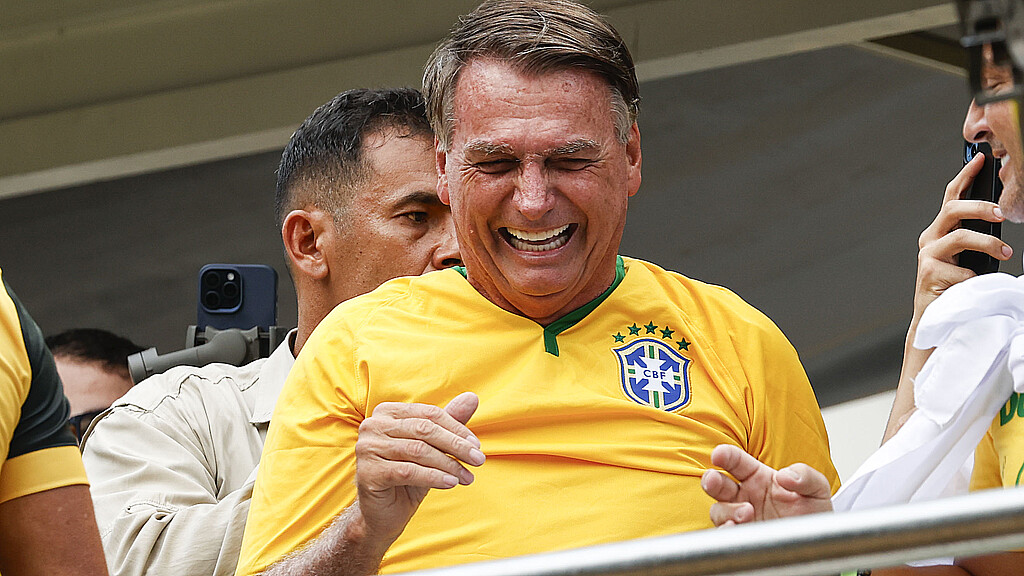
column 172, row 465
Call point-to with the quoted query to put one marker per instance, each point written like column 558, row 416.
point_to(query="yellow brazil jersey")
column 37, row 450
column 999, row 459
column 596, row 428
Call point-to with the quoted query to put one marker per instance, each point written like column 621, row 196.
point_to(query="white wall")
column 855, row 430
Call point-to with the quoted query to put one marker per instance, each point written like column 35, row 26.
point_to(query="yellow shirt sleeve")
column 790, row 421
column 305, row 473
column 47, row 456
column 987, row 471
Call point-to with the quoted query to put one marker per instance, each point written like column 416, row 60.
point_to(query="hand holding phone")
column 987, row 187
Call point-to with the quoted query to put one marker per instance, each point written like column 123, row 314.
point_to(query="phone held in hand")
column 986, row 186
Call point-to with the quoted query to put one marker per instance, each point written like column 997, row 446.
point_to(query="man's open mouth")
column 540, row 240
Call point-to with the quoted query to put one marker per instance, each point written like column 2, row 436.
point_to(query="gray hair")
column 534, row 36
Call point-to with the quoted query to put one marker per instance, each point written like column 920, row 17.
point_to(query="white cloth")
column 172, row 465
column 976, row 328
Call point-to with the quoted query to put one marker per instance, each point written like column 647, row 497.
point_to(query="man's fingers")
column 382, row 476
column 719, row 486
column 957, row 210
column 439, row 416
column 959, row 184
column 735, row 461
column 946, row 248
column 728, row 513
column 805, row 481
column 417, row 440
column 418, row 452
column 463, row 406
column 953, row 212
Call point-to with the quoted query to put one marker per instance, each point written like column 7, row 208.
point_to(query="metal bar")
column 968, row 525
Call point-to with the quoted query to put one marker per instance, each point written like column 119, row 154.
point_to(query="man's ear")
column 633, row 159
column 442, row 174
column 302, row 233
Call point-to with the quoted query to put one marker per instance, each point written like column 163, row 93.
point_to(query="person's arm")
column 403, row 451
column 170, row 496
column 50, row 532
column 937, row 270
column 46, row 517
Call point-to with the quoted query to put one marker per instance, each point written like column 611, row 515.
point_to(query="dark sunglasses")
column 80, row 423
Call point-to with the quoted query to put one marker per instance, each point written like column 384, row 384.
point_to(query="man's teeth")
column 537, row 241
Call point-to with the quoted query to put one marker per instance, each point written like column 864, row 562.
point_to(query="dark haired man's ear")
column 302, row 233
column 440, row 157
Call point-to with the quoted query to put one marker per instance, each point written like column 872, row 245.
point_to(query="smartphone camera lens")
column 211, row 300
column 211, row 279
column 221, row 290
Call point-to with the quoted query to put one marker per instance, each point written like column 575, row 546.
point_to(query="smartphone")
column 988, row 187
column 237, row 296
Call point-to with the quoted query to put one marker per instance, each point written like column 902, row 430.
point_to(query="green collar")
column 551, row 331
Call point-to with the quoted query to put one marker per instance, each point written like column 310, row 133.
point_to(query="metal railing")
column 969, row 525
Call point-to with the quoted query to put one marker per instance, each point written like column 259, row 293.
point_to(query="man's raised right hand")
column 403, row 451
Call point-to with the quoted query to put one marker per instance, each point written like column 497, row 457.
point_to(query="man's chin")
column 1012, row 203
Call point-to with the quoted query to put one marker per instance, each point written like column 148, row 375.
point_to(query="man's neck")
column 545, row 310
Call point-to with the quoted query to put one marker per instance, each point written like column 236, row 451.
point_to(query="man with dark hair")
column 173, row 462
column 93, row 365
column 602, row 382
column 47, row 524
column 754, row 491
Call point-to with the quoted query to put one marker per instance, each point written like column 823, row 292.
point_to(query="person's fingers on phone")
column 955, row 189
column 958, row 210
column 948, row 247
column 955, row 211
column 962, row 181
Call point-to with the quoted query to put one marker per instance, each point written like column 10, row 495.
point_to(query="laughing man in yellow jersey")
column 597, row 384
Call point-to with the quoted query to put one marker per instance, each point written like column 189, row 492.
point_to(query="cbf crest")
column 653, row 374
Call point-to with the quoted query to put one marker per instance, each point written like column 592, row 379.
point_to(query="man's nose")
column 976, row 128
column 532, row 196
column 447, row 253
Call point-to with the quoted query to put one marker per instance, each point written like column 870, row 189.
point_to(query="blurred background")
column 793, row 151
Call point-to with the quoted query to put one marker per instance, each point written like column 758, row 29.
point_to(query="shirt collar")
column 273, row 374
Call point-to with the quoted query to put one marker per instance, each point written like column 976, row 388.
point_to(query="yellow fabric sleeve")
column 15, row 371
column 40, row 471
column 986, row 473
column 305, row 472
